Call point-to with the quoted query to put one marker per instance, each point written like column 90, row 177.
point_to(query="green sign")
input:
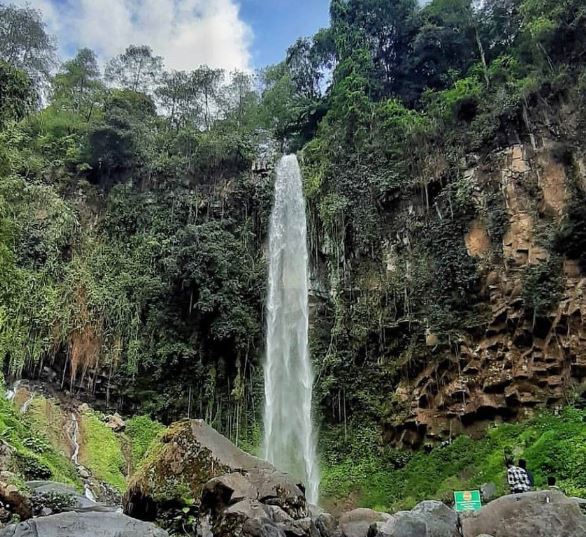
column 467, row 500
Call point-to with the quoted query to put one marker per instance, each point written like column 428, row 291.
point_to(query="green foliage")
column 542, row 287
column 24, row 42
column 552, row 445
column 101, row 451
column 132, row 232
column 571, row 238
column 17, row 94
column 141, row 431
column 35, row 458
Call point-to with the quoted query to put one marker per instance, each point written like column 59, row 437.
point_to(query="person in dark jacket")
column 517, row 479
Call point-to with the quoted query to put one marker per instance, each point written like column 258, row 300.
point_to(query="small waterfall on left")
column 289, row 441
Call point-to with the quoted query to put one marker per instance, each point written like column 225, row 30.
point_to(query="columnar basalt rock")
column 518, row 363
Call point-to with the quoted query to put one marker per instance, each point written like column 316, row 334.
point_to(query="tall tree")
column 309, row 61
column 17, row 95
column 78, row 82
column 178, row 94
column 209, row 82
column 25, row 43
column 500, row 25
column 136, row 69
column 386, row 29
column 240, row 98
column 447, row 43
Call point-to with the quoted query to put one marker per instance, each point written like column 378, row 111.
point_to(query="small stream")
column 11, row 393
column 27, row 403
column 73, row 432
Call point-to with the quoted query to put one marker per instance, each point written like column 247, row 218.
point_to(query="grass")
column 141, row 431
column 34, row 456
column 101, row 451
column 42, row 447
column 391, row 480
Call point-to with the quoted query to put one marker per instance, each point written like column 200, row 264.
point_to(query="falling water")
column 289, row 442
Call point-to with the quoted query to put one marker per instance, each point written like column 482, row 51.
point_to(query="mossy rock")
column 176, row 468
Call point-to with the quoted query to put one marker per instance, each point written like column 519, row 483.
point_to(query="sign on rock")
column 467, row 500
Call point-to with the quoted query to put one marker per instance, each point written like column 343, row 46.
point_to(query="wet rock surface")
column 49, row 497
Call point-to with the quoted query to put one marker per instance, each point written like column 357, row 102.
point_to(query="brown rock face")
column 477, row 239
column 518, row 362
column 14, row 500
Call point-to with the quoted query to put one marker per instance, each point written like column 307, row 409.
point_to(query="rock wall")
column 518, row 362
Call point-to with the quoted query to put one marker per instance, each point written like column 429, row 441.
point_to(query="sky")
column 231, row 34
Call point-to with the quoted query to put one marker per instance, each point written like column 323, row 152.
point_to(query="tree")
column 556, row 28
column 17, row 95
column 122, row 142
column 24, row 42
column 240, row 98
column 386, row 29
column 309, row 61
column 78, row 83
column 447, row 43
column 136, row 69
column 280, row 105
column 178, row 95
column 208, row 81
column 500, row 22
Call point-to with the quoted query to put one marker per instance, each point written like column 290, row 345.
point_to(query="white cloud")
column 187, row 33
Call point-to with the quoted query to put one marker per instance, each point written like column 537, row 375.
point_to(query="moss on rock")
column 101, row 451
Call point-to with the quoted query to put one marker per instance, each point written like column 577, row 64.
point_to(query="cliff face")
column 518, row 361
column 470, row 307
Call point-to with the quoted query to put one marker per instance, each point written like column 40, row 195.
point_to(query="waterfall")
column 289, row 441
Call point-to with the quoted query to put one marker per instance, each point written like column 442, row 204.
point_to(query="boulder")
column 83, row 525
column 327, row 525
column 49, row 497
column 116, row 423
column 253, row 518
column 356, row 523
column 248, row 517
column 15, row 500
column 427, row 519
column 402, row 524
column 192, row 456
column 488, row 492
column 440, row 520
column 531, row 514
column 227, row 490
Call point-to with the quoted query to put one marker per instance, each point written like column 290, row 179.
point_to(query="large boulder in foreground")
column 546, row 513
column 427, row 519
column 357, row 523
column 83, row 525
column 190, row 457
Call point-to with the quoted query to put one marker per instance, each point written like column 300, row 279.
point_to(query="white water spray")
column 289, row 441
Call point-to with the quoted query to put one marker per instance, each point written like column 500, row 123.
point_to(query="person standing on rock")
column 523, row 464
column 517, row 478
